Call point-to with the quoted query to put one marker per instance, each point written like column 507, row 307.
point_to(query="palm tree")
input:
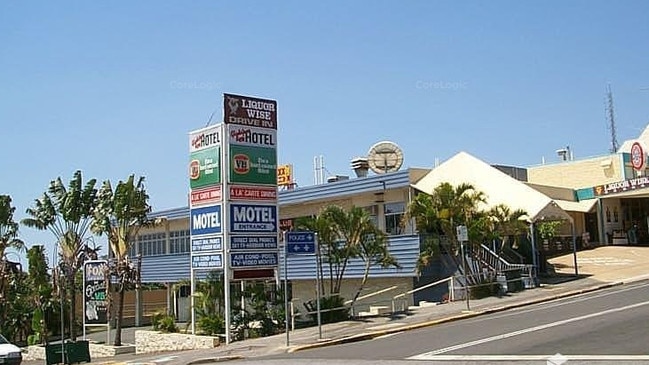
column 8, row 238
column 507, row 223
column 373, row 250
column 119, row 214
column 66, row 213
column 328, row 244
column 441, row 211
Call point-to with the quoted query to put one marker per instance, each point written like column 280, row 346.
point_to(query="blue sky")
column 113, row 88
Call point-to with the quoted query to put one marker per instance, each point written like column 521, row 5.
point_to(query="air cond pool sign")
column 206, row 220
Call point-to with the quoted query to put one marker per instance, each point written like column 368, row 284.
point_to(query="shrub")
column 163, row 322
column 332, row 309
column 212, row 324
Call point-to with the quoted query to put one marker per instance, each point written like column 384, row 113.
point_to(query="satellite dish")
column 385, row 156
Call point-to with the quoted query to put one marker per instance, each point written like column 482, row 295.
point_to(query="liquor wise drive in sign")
column 249, row 111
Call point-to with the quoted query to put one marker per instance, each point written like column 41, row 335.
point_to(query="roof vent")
column 360, row 166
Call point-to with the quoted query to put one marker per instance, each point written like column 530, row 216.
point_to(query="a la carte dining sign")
column 622, row 186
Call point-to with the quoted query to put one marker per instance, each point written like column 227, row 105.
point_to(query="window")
column 393, row 215
column 179, row 241
column 373, row 212
column 152, row 244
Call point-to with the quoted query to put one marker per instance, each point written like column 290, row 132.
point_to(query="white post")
column 286, row 291
column 191, row 300
column 317, row 275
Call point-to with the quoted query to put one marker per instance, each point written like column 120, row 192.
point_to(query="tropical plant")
column 66, row 213
column 120, row 214
column 41, row 293
column 548, row 229
column 8, row 238
column 507, row 223
column 438, row 214
column 328, row 244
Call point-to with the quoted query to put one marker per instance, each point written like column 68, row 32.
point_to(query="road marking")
column 560, row 302
column 531, row 357
column 387, row 335
column 523, row 331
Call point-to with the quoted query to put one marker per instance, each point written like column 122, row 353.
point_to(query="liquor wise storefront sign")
column 622, row 186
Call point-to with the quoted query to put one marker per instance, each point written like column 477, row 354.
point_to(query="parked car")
column 9, row 353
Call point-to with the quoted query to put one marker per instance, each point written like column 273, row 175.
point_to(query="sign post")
column 306, row 243
column 463, row 236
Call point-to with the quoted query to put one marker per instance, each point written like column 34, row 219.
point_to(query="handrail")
column 422, row 287
column 371, row 295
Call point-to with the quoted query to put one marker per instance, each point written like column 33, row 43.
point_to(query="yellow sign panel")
column 285, row 175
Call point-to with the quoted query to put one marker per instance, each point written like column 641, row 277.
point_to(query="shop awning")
column 584, row 206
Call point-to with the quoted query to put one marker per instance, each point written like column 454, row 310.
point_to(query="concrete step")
column 380, row 310
column 424, row 304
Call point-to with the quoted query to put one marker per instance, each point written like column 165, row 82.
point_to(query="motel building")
column 600, row 200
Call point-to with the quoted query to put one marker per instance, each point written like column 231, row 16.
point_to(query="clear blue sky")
column 113, row 88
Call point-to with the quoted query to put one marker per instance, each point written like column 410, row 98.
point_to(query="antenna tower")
column 611, row 119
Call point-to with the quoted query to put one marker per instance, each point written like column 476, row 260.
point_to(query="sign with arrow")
column 300, row 243
column 245, row 218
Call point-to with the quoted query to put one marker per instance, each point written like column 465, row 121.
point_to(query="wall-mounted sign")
column 203, row 244
column 248, row 111
column 259, row 243
column 246, row 218
column 622, row 186
column 637, row 156
column 251, row 192
column 285, row 175
column 253, row 165
column 205, row 196
column 259, row 259
column 205, row 220
column 205, row 167
column 207, row 261
column 94, row 292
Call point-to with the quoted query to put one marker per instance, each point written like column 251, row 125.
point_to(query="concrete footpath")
column 599, row 268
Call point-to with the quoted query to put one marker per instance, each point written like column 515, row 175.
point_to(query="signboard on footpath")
column 95, row 302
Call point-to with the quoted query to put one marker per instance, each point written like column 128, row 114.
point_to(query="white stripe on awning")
column 583, row 206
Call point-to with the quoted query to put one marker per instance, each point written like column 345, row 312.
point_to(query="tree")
column 8, row 238
column 328, row 244
column 439, row 213
column 66, row 213
column 41, row 293
column 120, row 214
column 373, row 250
column 507, row 223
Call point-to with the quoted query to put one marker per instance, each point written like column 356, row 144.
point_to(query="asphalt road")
column 609, row 326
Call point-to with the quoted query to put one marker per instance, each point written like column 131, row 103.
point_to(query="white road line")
column 532, row 357
column 524, row 331
column 558, row 303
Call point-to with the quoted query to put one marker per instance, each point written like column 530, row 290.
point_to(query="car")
column 9, row 353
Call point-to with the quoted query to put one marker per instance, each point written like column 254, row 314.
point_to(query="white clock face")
column 385, row 157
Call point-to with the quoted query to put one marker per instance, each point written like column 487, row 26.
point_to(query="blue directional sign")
column 245, row 218
column 300, row 243
column 205, row 220
column 260, row 259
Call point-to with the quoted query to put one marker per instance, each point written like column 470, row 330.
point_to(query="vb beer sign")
column 205, row 220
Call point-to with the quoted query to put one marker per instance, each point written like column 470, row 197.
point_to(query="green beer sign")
column 254, row 165
column 205, row 168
